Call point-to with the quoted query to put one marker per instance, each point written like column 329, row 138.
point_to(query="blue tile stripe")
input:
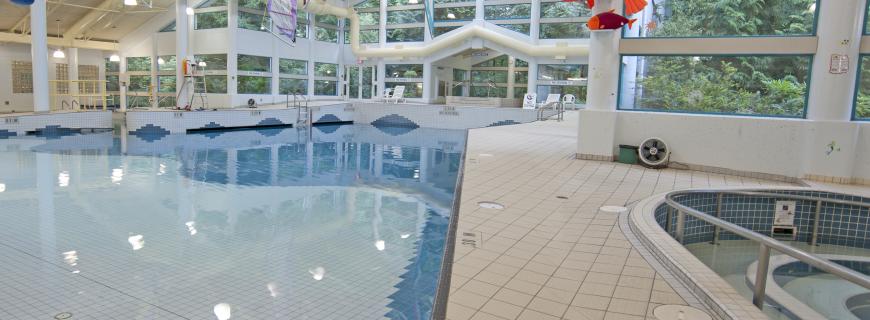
column 838, row 224
column 394, row 120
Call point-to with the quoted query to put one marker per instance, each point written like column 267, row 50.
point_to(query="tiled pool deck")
column 550, row 253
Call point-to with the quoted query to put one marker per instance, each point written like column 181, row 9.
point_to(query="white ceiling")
column 110, row 23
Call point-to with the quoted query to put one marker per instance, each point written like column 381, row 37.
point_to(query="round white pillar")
column 39, row 56
column 603, row 64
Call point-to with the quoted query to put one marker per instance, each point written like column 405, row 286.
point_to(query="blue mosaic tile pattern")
column 839, row 224
column 503, row 123
column 330, row 128
column 212, row 125
column 270, row 122
column 150, row 133
column 54, row 131
column 394, row 120
column 6, row 134
column 328, row 118
column 414, row 298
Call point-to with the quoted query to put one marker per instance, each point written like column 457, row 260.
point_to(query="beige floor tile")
column 632, row 293
column 481, row 288
column 529, row 314
column 459, row 312
column 524, row 286
column 621, row 316
column 590, row 301
column 560, row 296
column 597, row 289
column 631, row 307
column 502, row 309
column 485, row 316
column 468, row 299
column 578, row 313
column 513, row 297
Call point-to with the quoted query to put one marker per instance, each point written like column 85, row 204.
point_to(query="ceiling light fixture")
column 189, row 11
column 115, row 58
column 58, row 53
column 412, row 1
column 160, row 61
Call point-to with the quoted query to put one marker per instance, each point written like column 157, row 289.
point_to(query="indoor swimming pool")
column 342, row 222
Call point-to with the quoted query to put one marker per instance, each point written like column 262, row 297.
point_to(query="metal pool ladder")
column 303, row 112
column 765, row 243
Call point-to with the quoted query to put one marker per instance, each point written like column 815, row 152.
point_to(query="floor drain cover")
column 672, row 311
column 562, row 197
column 490, row 205
column 63, row 315
column 613, row 209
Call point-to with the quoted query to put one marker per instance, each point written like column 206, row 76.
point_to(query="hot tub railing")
column 766, row 243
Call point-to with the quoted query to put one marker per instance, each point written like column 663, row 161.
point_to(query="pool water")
column 824, row 293
column 347, row 222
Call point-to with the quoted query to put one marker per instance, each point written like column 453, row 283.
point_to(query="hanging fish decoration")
column 608, row 21
column 634, row 6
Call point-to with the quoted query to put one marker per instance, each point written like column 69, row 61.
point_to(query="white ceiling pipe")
column 473, row 31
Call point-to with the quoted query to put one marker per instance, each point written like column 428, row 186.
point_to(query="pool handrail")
column 765, row 242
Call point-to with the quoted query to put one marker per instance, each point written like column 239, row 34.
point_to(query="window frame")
column 806, row 94
column 854, row 116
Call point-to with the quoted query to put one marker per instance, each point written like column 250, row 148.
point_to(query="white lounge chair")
column 386, row 95
column 398, row 95
column 569, row 100
column 552, row 101
column 530, row 100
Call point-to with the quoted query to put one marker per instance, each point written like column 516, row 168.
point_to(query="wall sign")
column 839, row 64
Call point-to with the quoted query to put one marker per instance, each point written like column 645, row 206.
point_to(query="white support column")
column 125, row 80
column 155, row 65
column 535, row 25
column 381, row 77
column 39, row 56
column 382, row 26
column 182, row 37
column 839, row 32
column 596, row 134
column 430, row 85
column 533, row 78
column 511, row 76
column 233, row 52
column 72, row 55
column 479, row 10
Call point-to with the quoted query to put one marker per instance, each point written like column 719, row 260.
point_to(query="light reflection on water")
column 243, row 224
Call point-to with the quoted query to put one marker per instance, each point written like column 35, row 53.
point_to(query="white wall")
column 788, row 147
column 23, row 102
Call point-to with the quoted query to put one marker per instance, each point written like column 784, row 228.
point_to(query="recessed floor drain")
column 63, row 315
column 613, row 209
column 673, row 311
column 561, row 197
column 490, row 205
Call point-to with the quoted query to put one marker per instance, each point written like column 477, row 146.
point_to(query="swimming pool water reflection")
column 349, row 223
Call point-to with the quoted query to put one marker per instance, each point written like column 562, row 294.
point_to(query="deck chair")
column 398, row 95
column 530, row 100
column 552, row 101
column 569, row 100
column 386, row 95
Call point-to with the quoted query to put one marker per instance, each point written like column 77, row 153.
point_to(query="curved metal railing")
column 765, row 243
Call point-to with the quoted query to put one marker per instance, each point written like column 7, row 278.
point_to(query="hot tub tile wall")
column 838, row 224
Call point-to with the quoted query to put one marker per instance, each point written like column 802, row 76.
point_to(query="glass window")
column 365, row 36
column 862, row 94
column 255, row 85
column 113, row 66
column 322, row 69
column 566, row 9
column 328, row 20
column 479, row 76
column 138, row 64
column 168, row 28
column 744, row 85
column 210, row 20
column 252, row 4
column 571, row 72
column 367, row 19
column 113, row 83
column 139, row 83
column 456, row 91
column 166, row 84
column 520, row 92
column 562, row 31
column 521, row 76
column 488, row 92
column 405, row 16
column 254, row 63
column 213, row 3
column 325, row 87
column 442, row 30
column 454, row 14
column 459, row 74
column 394, row 3
column 405, row 34
column 412, row 89
column 292, row 66
column 579, row 92
column 166, row 63
column 213, row 61
column 325, row 34
column 213, row 84
column 521, row 63
column 680, row 18
column 500, row 61
column 508, row 11
column 523, row 28
column 22, row 77
column 301, row 25
column 288, row 86
column 368, row 4
column 256, row 22
column 404, row 70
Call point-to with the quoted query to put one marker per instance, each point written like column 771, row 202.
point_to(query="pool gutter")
column 439, row 309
